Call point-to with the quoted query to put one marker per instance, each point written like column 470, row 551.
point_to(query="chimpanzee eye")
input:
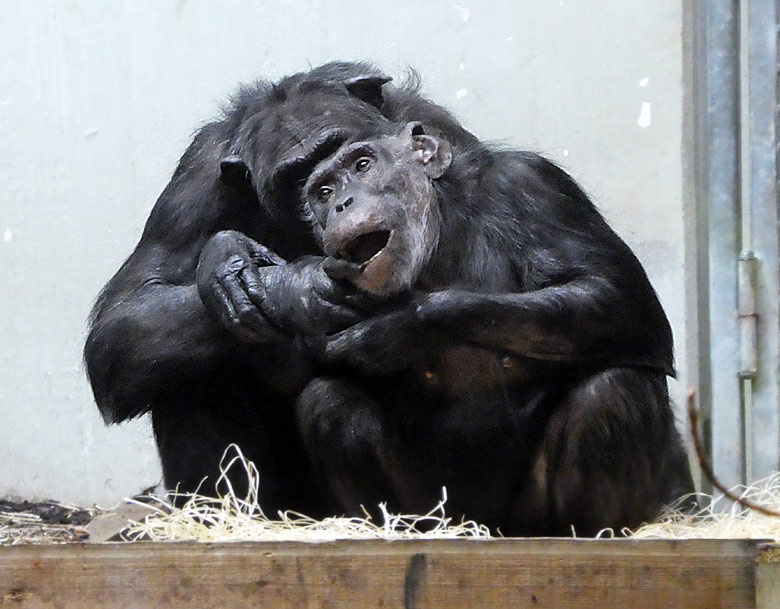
column 324, row 192
column 363, row 164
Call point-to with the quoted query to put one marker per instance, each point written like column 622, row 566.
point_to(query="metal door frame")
column 734, row 253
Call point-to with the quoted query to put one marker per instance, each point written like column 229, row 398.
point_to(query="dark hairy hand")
column 228, row 267
column 261, row 298
column 302, row 299
column 386, row 343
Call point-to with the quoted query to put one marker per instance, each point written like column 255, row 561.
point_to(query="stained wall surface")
column 99, row 99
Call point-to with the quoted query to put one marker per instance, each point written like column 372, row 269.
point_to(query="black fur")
column 527, row 373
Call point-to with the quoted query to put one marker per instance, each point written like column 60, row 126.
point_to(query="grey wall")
column 98, row 99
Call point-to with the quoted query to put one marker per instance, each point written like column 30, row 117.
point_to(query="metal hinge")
column 746, row 312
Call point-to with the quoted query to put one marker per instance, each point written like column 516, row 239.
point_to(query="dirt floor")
column 46, row 521
column 26, row 522
column 46, row 512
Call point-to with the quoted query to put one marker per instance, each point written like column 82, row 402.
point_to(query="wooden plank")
column 768, row 577
column 452, row 574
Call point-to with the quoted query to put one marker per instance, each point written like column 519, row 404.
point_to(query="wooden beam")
column 451, row 574
column 768, row 577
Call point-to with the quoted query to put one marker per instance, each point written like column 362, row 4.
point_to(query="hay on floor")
column 231, row 518
column 721, row 518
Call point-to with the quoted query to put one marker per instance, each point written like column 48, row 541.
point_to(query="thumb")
column 338, row 268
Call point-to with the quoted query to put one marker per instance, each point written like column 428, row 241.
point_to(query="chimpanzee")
column 475, row 323
column 194, row 350
column 521, row 357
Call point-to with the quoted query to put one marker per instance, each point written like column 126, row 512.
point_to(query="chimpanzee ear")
column 368, row 88
column 414, row 128
column 233, row 171
column 435, row 154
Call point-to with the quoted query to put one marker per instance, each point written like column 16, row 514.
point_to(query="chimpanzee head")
column 374, row 208
column 283, row 130
column 273, row 135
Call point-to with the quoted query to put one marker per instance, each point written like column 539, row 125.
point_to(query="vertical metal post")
column 760, row 40
column 717, row 77
column 735, row 68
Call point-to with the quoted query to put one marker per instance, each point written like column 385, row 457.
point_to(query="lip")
column 377, row 255
column 367, row 247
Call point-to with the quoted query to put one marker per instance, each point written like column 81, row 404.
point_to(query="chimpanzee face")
column 373, row 207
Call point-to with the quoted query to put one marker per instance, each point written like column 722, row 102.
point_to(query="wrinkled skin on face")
column 374, row 208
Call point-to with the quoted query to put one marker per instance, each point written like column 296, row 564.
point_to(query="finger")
column 340, row 269
column 342, row 293
column 360, row 301
column 256, row 289
column 229, row 318
column 341, row 318
column 261, row 254
column 335, row 303
column 253, row 285
column 336, row 346
column 243, row 309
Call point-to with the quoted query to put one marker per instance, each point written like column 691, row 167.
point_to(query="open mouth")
column 364, row 247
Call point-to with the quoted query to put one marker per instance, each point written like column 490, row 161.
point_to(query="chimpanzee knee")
column 592, row 482
column 343, row 435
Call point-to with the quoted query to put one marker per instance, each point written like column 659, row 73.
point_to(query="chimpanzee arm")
column 159, row 335
column 531, row 270
column 583, row 322
column 149, row 333
column 150, row 330
column 587, row 320
column 583, row 296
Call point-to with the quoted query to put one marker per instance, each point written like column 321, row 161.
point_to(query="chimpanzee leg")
column 194, row 429
column 344, row 436
column 610, row 456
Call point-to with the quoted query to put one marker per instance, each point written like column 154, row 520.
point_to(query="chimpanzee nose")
column 345, row 204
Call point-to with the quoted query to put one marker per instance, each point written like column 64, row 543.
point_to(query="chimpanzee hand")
column 228, row 267
column 302, row 299
column 383, row 344
column 260, row 298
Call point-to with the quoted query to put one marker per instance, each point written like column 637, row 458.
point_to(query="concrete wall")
column 98, row 100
